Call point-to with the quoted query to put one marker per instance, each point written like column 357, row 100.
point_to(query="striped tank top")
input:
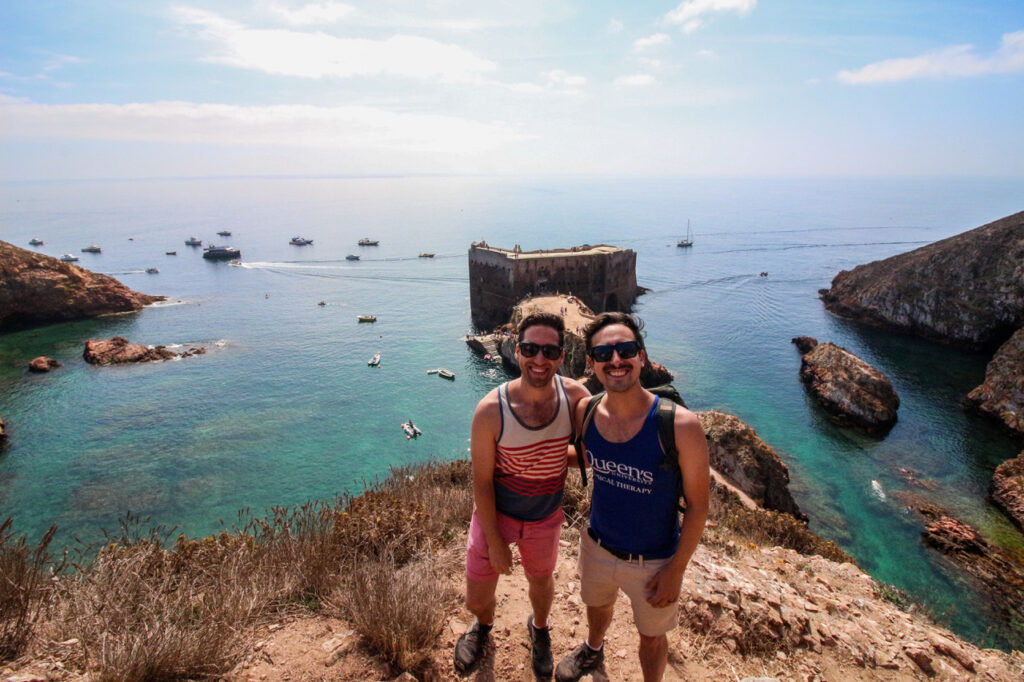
column 530, row 467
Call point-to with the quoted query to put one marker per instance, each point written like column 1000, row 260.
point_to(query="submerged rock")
column 42, row 364
column 1008, row 489
column 853, row 392
column 119, row 350
column 965, row 290
column 37, row 289
column 1001, row 395
column 748, row 462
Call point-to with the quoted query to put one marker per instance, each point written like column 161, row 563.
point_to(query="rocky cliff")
column 748, row 462
column 1008, row 489
column 37, row 289
column 967, row 290
column 1001, row 395
column 853, row 392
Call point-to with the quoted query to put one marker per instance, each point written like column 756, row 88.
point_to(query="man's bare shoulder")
column 574, row 389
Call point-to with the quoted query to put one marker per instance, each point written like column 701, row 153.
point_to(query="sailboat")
column 688, row 240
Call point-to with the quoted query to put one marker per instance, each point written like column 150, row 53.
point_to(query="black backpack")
column 666, row 415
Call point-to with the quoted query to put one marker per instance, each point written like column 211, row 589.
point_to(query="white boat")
column 69, row 258
column 375, row 360
column 877, row 488
column 367, row 318
column 92, row 248
column 446, row 374
column 366, row 241
column 351, row 256
column 411, row 430
column 212, row 252
column 688, row 239
column 152, row 271
column 193, row 241
column 35, row 241
column 300, row 241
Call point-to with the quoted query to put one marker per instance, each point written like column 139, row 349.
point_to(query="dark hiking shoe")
column 470, row 646
column 581, row 661
column 540, row 646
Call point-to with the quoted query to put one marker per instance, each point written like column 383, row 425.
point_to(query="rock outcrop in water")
column 967, row 290
column 37, row 289
column 748, row 462
column 1001, row 395
column 3, row 432
column 119, row 351
column 42, row 364
column 852, row 392
column 1007, row 490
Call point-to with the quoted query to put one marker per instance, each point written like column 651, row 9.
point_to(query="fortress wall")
column 604, row 277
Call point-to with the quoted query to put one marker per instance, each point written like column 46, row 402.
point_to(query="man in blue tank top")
column 634, row 541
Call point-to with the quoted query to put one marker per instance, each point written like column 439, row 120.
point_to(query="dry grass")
column 24, row 579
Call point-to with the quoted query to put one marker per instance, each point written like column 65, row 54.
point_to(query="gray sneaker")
column 581, row 661
column 470, row 646
column 540, row 647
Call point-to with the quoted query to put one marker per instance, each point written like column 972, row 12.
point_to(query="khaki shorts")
column 602, row 576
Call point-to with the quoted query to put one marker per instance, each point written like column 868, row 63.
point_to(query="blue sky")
column 122, row 88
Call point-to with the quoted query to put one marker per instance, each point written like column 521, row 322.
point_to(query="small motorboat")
column 322, row 303
column 876, row 487
column 171, row 253
column 193, row 241
column 446, row 374
column 426, row 255
column 35, row 241
column 411, row 430
column 224, row 233
column 69, row 258
column 152, row 271
column 351, row 257
column 92, row 248
column 367, row 318
column 212, row 252
column 375, row 360
column 300, row 241
column 366, row 241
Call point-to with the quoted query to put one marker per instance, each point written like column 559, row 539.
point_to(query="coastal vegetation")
column 146, row 606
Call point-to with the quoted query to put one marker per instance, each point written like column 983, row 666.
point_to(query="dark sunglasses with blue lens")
column 549, row 350
column 625, row 349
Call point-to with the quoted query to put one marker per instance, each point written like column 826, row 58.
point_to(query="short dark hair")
column 603, row 320
column 543, row 320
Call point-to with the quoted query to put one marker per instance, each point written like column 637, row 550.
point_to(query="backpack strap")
column 588, row 416
column 666, row 415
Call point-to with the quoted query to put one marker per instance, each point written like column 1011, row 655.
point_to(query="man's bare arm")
column 483, row 451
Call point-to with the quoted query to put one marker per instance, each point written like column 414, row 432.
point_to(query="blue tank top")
column 634, row 506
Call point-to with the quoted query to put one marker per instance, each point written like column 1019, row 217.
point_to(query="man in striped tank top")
column 519, row 446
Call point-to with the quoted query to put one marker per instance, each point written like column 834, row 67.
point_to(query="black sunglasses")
column 625, row 349
column 550, row 350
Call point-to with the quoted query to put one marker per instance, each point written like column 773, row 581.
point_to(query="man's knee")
column 480, row 596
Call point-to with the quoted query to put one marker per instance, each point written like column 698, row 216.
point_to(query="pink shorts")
column 537, row 540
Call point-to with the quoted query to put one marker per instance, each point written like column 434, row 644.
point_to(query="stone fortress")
column 604, row 276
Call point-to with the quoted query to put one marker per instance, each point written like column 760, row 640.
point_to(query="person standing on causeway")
column 520, row 439
column 634, row 541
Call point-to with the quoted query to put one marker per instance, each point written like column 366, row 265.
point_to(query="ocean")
column 283, row 407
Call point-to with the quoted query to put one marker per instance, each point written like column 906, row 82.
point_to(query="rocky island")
column 36, row 289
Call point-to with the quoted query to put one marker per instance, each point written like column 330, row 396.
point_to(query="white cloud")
column 643, row 44
column 635, row 80
column 313, row 13
column 705, row 53
column 615, row 26
column 348, row 127
column 692, row 14
column 561, row 79
column 651, row 63
column 954, row 61
column 318, row 55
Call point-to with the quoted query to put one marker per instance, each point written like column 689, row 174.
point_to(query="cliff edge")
column 967, row 290
column 37, row 289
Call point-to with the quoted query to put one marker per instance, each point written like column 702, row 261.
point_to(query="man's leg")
column 653, row 657
column 542, row 595
column 598, row 620
column 480, row 599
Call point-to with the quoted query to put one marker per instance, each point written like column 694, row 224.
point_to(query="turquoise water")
column 283, row 407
